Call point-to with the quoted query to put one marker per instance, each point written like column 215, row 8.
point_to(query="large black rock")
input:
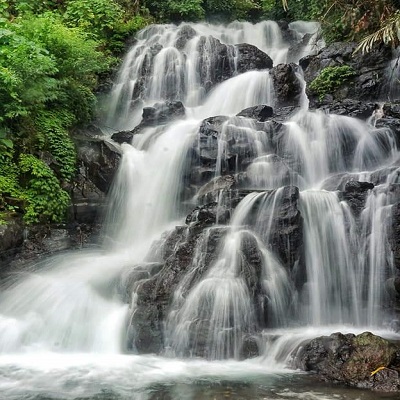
column 365, row 360
column 287, row 86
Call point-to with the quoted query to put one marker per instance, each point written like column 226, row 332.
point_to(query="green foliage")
column 246, row 9
column 52, row 53
column 6, row 146
column 96, row 16
column 55, row 139
column 189, row 10
column 9, row 185
column 218, row 6
column 389, row 33
column 26, row 75
column 12, row 8
column 330, row 79
column 46, row 200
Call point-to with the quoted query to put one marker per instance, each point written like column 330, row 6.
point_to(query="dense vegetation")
column 52, row 53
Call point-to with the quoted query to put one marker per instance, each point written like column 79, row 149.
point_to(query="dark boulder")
column 287, row 86
column 260, row 113
column 287, row 233
column 11, row 238
column 162, row 113
column 98, row 160
column 185, row 33
column 369, row 81
column 250, row 58
column 122, row 137
column 356, row 193
column 365, row 360
column 219, row 62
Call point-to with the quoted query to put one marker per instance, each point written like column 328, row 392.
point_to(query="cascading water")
column 172, row 62
column 65, row 325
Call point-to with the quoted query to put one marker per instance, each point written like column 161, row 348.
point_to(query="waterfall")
column 171, row 62
column 287, row 233
column 330, row 293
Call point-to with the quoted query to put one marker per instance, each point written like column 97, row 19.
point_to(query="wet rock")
column 353, row 360
column 250, row 348
column 155, row 295
column 227, row 60
column 220, row 66
column 287, row 87
column 369, row 81
column 350, row 108
column 98, row 160
column 45, row 240
column 203, row 214
column 286, row 232
column 356, row 193
column 395, row 236
column 211, row 190
column 11, row 238
column 185, row 33
column 162, row 113
column 131, row 277
column 122, row 137
column 206, row 156
column 260, row 113
column 250, row 58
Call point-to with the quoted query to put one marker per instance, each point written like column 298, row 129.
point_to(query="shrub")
column 46, row 200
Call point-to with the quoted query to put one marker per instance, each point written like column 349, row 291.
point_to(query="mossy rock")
column 370, row 353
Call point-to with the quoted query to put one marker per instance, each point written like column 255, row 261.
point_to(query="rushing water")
column 63, row 323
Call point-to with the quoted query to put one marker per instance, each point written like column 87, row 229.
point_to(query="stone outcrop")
column 364, row 361
column 369, row 81
column 251, row 58
column 176, row 251
column 355, row 193
column 287, row 86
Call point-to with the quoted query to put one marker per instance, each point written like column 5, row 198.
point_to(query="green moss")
column 330, row 79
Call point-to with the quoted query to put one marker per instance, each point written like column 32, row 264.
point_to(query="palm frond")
column 388, row 34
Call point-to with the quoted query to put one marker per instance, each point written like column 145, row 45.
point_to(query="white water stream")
column 63, row 323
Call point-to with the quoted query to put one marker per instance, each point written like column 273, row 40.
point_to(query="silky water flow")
column 64, row 324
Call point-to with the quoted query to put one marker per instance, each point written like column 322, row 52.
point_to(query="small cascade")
column 375, row 259
column 219, row 312
column 248, row 142
column 136, row 216
column 229, row 98
column 318, row 144
column 309, row 34
column 330, row 294
column 393, row 77
column 184, row 62
column 65, row 309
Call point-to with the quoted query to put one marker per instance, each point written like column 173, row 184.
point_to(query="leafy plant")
column 46, row 200
column 190, row 10
column 96, row 16
column 389, row 33
column 53, row 128
column 330, row 79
